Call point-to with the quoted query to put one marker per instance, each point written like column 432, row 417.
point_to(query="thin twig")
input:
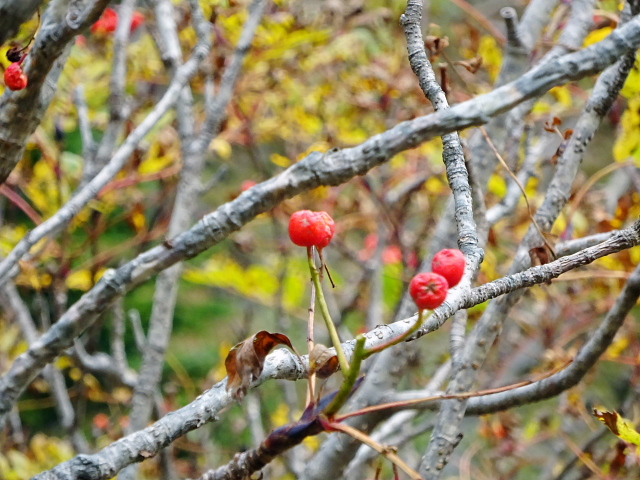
column 524, row 192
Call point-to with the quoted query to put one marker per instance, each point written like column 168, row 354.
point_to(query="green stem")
column 350, row 378
column 333, row 333
column 414, row 328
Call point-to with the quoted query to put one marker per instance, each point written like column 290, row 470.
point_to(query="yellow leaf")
column 628, row 142
column 10, row 236
column 138, row 219
column 597, row 35
column 64, row 362
column 619, row 426
column 434, row 185
column 497, row 185
column 563, row 95
column 617, row 347
column 541, row 107
column 221, row 147
column 281, row 415
column 491, row 55
column 632, row 84
column 80, row 280
column 280, row 160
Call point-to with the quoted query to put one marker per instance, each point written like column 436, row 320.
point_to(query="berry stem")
column 414, row 328
column 310, row 336
column 350, row 378
column 333, row 333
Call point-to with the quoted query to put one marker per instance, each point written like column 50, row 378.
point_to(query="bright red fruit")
column 450, row 264
column 136, row 21
column 247, row 184
column 107, row 23
column 428, row 290
column 311, row 229
column 14, row 77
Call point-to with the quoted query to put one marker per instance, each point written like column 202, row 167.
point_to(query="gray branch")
column 453, row 155
column 14, row 13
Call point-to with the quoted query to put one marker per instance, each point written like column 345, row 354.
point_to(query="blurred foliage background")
column 319, row 76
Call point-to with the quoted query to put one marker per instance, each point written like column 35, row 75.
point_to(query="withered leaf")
column 309, row 423
column 472, row 65
column 541, row 256
column 610, row 419
column 551, row 125
column 620, row 426
column 435, row 45
column 562, row 147
column 322, row 361
column 245, row 361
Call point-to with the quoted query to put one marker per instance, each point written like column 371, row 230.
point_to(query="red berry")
column 450, row 264
column 428, row 290
column 107, row 23
column 14, row 77
column 391, row 254
column 247, row 184
column 136, row 21
column 311, row 229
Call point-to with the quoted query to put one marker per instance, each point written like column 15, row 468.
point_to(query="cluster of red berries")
column 108, row 22
column 311, row 229
column 14, row 76
column 429, row 289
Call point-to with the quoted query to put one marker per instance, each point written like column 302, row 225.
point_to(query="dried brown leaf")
column 435, row 45
column 562, row 147
column 322, row 361
column 472, row 65
column 245, row 361
column 539, row 255
column 552, row 124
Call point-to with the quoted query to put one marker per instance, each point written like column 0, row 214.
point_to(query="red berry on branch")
column 136, row 21
column 15, row 78
column 428, row 290
column 107, row 23
column 247, row 184
column 311, row 229
column 450, row 264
